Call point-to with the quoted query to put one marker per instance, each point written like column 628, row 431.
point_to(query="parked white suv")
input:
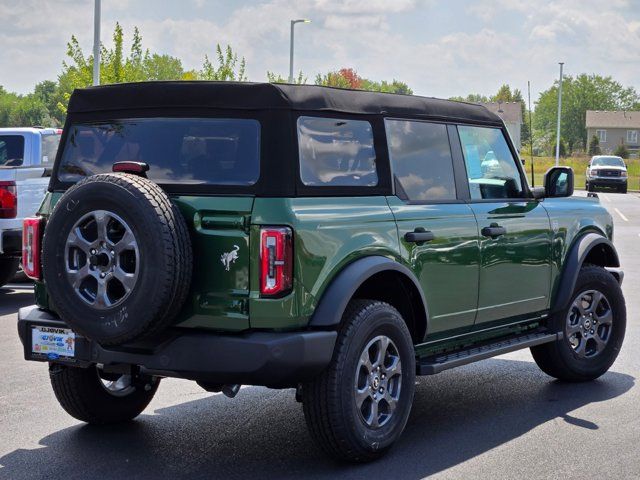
column 606, row 171
column 26, row 158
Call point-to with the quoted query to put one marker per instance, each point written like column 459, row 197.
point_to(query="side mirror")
column 558, row 182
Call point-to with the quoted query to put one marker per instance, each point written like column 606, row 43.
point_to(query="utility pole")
column 293, row 23
column 533, row 178
column 96, row 43
column 559, row 113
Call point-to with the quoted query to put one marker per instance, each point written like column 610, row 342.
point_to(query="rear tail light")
column 31, row 235
column 8, row 200
column 276, row 261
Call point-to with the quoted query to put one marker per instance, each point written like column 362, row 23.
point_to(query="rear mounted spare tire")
column 117, row 258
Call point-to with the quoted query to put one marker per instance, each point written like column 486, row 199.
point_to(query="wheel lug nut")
column 93, row 251
column 591, row 332
column 381, row 390
column 102, row 275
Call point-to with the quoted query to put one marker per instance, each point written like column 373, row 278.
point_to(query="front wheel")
column 8, row 269
column 97, row 397
column 358, row 407
column 593, row 325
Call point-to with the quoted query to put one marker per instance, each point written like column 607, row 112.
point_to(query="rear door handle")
column 419, row 235
column 493, row 231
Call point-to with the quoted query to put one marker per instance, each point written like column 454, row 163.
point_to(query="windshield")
column 178, row 150
column 11, row 150
column 607, row 162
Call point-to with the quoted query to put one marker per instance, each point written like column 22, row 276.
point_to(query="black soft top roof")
column 265, row 96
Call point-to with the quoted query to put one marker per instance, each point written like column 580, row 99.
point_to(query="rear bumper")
column 257, row 358
column 11, row 242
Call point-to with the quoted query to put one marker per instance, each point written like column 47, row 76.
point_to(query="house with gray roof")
column 511, row 114
column 613, row 129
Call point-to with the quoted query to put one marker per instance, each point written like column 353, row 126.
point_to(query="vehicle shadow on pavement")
column 456, row 416
column 12, row 299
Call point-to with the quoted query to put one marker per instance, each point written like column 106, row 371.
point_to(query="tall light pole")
column 559, row 113
column 96, row 43
column 293, row 23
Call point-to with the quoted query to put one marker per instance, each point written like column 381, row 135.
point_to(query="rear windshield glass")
column 336, row 152
column 178, row 150
column 50, row 147
column 608, row 162
column 11, row 150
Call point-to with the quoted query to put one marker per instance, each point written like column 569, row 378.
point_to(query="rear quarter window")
column 50, row 147
column 336, row 152
column 221, row 151
column 11, row 150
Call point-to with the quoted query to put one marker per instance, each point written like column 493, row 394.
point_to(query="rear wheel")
column 8, row 269
column 623, row 189
column 96, row 397
column 593, row 325
column 358, row 407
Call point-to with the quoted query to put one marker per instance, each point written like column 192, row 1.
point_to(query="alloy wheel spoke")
column 596, row 298
column 127, row 242
column 362, row 395
column 394, row 369
column 573, row 329
column 76, row 239
column 102, row 299
column 600, row 343
column 605, row 318
column 127, row 280
column 391, row 402
column 102, row 220
column 77, row 276
column 383, row 345
column 374, row 420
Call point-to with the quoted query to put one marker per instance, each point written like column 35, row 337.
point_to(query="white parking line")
column 621, row 215
column 605, row 197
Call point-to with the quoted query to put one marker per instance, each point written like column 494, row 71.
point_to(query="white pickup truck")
column 26, row 158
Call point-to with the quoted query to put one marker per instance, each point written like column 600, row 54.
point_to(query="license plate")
column 53, row 342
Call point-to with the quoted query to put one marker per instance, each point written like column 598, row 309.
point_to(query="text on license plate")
column 53, row 342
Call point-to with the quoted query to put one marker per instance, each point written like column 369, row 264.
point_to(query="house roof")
column 189, row 95
column 510, row 112
column 604, row 119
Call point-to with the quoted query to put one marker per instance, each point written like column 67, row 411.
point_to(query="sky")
column 440, row 48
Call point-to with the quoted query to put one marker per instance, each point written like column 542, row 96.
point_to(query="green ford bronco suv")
column 332, row 241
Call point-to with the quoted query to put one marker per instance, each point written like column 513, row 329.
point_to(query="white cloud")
column 490, row 42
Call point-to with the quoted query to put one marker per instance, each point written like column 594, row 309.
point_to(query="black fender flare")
column 337, row 295
column 573, row 263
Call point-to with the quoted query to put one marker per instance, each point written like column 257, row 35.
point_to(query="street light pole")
column 96, row 43
column 293, row 23
column 559, row 113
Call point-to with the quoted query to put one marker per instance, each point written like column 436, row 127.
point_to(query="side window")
column 11, row 150
column 336, row 152
column 421, row 159
column 491, row 168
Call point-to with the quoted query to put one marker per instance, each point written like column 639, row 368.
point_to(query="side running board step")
column 445, row 361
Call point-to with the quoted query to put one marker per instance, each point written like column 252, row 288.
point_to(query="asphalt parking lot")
column 501, row 418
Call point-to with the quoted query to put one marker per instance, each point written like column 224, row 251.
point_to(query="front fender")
column 336, row 297
column 591, row 243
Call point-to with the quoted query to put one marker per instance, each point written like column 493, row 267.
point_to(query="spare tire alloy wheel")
column 102, row 259
column 117, row 258
column 589, row 323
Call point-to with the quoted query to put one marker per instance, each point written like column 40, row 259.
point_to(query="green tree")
column 579, row 94
column 349, row 78
column 621, row 151
column 227, row 69
column 276, row 78
column 471, row 98
column 594, row 146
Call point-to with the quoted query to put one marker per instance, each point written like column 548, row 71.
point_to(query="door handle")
column 493, row 231
column 419, row 236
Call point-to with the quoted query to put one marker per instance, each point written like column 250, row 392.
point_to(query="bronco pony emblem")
column 230, row 257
